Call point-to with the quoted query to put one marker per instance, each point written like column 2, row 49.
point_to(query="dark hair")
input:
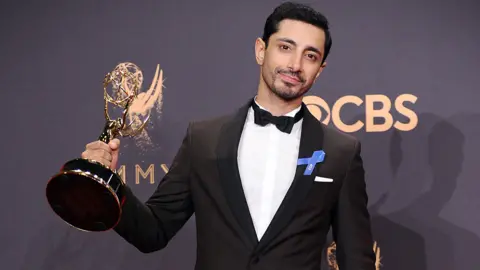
column 299, row 12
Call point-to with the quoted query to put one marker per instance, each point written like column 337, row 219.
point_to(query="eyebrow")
column 290, row 41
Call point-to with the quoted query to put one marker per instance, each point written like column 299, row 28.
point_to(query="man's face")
column 293, row 59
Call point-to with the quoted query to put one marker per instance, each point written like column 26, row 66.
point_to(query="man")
column 259, row 202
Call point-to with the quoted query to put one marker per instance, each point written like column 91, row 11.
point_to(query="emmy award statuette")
column 86, row 194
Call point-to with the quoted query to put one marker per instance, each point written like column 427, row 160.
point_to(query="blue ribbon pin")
column 317, row 157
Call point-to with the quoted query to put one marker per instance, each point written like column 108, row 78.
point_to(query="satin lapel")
column 311, row 140
column 227, row 150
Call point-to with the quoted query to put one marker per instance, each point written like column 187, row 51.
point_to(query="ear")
column 324, row 64
column 260, row 51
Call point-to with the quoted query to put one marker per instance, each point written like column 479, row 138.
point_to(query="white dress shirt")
column 267, row 160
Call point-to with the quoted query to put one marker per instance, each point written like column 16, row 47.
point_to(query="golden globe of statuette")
column 86, row 194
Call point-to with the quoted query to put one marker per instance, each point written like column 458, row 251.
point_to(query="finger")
column 98, row 145
column 97, row 154
column 114, row 144
column 95, row 144
column 105, row 162
column 103, row 154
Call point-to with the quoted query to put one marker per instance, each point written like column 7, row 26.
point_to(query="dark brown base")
column 86, row 195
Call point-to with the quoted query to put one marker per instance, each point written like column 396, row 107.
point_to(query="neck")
column 275, row 105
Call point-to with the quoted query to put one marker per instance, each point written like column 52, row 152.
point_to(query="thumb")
column 113, row 164
column 115, row 146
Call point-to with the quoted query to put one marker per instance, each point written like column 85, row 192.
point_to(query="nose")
column 295, row 63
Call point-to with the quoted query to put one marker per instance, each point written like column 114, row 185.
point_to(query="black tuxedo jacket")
column 204, row 179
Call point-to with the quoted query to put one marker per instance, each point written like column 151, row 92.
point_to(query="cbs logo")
column 333, row 113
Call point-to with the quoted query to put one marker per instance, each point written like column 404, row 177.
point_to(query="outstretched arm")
column 149, row 226
column 351, row 223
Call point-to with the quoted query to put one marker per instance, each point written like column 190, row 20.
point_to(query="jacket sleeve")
column 351, row 220
column 149, row 226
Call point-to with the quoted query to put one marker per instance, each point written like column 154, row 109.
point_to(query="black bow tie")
column 283, row 123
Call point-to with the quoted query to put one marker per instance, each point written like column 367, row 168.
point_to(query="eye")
column 312, row 56
column 284, row 47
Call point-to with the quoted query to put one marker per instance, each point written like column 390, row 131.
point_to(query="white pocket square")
column 323, row 179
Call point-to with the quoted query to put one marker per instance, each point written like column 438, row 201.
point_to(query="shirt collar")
column 291, row 113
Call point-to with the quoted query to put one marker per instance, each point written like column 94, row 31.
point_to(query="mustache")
column 290, row 73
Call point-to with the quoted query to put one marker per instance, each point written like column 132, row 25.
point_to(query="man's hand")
column 107, row 154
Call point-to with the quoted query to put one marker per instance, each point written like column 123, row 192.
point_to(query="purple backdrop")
column 422, row 179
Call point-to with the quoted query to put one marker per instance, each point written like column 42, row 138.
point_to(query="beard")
column 285, row 90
